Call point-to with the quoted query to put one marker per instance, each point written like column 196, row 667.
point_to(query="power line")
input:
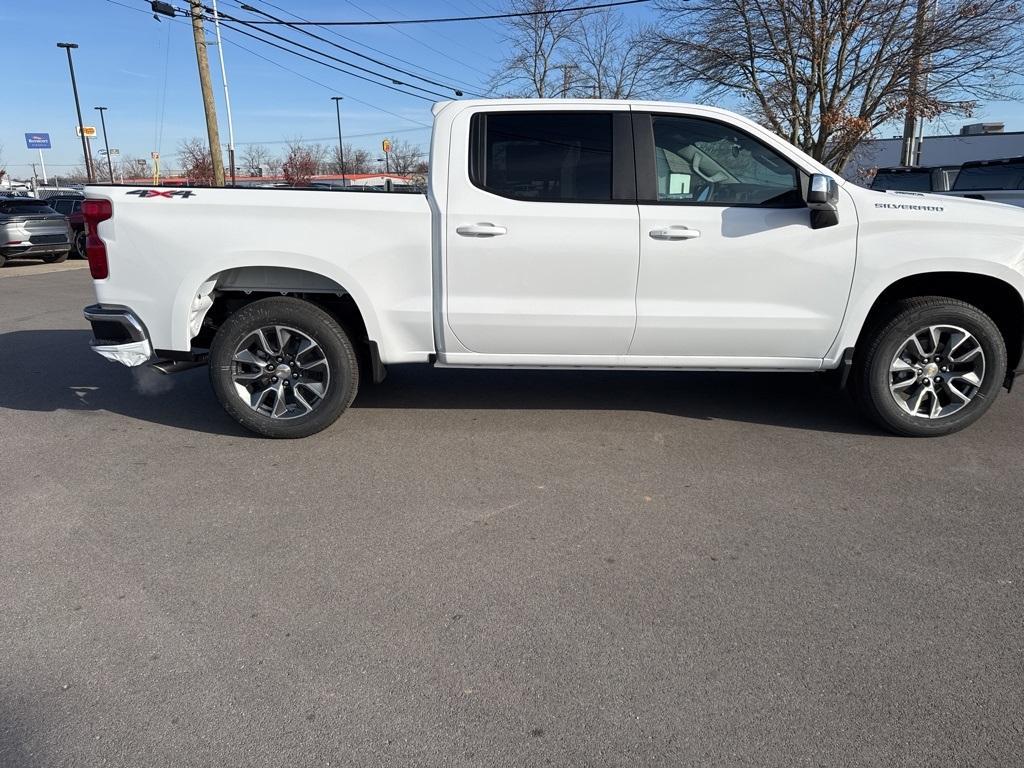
column 434, row 31
column 322, row 39
column 374, row 73
column 416, row 40
column 297, row 44
column 326, row 64
column 300, row 74
column 323, row 85
column 489, row 17
column 371, row 48
column 366, row 135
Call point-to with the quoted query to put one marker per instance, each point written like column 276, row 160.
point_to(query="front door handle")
column 675, row 232
column 481, row 229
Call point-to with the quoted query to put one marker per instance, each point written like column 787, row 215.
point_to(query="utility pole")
column 78, row 108
column 341, row 147
column 227, row 96
column 106, row 144
column 209, row 105
column 914, row 89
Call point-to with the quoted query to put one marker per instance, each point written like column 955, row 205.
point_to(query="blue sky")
column 145, row 72
column 125, row 55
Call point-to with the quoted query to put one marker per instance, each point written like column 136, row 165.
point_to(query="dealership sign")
column 37, row 140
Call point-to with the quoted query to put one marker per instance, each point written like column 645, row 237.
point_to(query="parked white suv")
column 571, row 234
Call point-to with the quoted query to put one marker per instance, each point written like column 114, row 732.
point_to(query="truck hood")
column 915, row 206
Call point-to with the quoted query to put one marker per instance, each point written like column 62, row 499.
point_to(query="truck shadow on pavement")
column 792, row 400
column 62, row 373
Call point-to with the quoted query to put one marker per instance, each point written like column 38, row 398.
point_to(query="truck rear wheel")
column 931, row 368
column 283, row 368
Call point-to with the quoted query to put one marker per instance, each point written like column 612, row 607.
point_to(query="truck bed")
column 363, row 244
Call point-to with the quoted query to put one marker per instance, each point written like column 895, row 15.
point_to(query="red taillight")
column 95, row 211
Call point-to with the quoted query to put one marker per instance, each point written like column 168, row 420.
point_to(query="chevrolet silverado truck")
column 567, row 234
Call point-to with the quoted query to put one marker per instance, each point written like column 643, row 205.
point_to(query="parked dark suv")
column 71, row 206
column 31, row 228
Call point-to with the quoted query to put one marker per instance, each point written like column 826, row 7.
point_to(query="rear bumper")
column 118, row 335
column 28, row 249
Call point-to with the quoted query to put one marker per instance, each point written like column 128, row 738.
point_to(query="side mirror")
column 823, row 200
column 822, row 193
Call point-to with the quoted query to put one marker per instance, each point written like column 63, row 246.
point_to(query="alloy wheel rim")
column 937, row 371
column 280, row 372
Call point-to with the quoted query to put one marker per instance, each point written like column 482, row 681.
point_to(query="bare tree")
column 825, row 74
column 613, row 60
column 302, row 162
column 535, row 65
column 133, row 168
column 274, row 165
column 196, row 161
column 322, row 155
column 253, row 158
column 582, row 54
column 407, row 159
column 356, row 160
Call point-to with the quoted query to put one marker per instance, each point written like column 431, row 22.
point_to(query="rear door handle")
column 481, row 229
column 675, row 232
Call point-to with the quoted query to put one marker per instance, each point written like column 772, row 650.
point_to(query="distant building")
column 977, row 141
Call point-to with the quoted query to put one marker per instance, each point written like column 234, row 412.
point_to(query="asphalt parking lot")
column 495, row 568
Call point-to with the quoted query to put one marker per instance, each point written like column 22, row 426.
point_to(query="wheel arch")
column 224, row 292
column 995, row 297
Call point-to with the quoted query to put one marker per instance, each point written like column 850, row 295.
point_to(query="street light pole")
column 106, row 144
column 341, row 147
column 78, row 108
column 227, row 96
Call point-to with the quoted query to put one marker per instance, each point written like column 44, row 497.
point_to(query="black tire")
column 309, row 320
column 3, row 259
column 79, row 247
column 55, row 258
column 882, row 342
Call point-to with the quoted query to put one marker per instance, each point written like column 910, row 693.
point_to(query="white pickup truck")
column 568, row 234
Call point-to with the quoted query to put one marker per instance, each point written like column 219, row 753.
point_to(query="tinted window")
column 909, row 181
column 562, row 157
column 1001, row 176
column 700, row 161
column 61, row 206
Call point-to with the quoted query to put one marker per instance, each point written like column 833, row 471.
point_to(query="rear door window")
column 544, row 156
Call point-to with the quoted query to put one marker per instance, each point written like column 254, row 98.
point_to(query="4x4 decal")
column 161, row 192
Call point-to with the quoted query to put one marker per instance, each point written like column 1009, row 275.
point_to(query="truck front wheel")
column 931, row 367
column 283, row 367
